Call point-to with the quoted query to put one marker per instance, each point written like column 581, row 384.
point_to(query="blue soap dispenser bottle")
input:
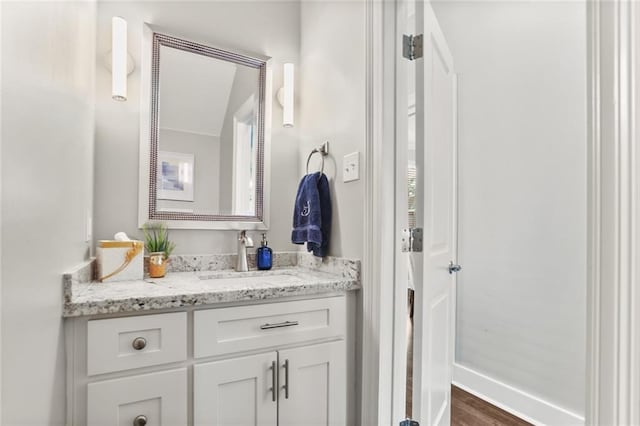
column 264, row 255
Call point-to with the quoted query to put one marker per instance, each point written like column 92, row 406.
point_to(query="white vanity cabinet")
column 298, row 383
column 292, row 387
column 276, row 363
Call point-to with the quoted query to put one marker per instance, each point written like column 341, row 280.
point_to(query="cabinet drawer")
column 228, row 330
column 152, row 399
column 132, row 342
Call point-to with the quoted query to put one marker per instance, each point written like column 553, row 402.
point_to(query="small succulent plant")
column 156, row 238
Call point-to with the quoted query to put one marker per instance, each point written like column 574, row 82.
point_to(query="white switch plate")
column 351, row 167
column 89, row 227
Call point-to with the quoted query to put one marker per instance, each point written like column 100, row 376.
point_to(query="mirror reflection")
column 208, row 157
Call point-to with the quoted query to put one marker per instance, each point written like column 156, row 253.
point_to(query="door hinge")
column 412, row 46
column 412, row 240
column 409, row 422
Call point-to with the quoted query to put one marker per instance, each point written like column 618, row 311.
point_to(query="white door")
column 435, row 212
column 237, row 391
column 313, row 385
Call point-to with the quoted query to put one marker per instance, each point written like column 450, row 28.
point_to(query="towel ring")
column 323, row 150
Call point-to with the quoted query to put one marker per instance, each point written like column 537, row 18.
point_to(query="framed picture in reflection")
column 175, row 176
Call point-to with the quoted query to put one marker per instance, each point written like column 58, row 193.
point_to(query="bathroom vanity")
column 207, row 345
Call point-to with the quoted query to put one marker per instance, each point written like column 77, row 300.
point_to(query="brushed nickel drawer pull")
column 286, row 379
column 274, row 381
column 278, row 325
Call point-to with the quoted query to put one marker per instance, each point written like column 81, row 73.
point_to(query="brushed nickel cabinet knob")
column 138, row 344
column 140, row 420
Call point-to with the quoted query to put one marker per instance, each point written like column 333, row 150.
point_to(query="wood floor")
column 466, row 409
column 469, row 410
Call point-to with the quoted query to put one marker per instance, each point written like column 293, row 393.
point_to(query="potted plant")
column 159, row 247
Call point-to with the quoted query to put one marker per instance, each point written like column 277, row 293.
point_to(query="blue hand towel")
column 312, row 214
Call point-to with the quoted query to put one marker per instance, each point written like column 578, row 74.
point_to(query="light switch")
column 351, row 167
column 88, row 227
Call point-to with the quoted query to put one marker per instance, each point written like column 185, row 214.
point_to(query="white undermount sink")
column 250, row 278
column 244, row 275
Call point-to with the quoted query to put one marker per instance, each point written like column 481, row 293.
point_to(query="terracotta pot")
column 157, row 264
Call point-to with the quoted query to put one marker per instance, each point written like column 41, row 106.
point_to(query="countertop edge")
column 155, row 303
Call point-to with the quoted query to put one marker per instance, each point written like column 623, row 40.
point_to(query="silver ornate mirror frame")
column 150, row 66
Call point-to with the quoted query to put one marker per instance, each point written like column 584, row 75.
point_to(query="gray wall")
column 270, row 28
column 332, row 108
column 48, row 61
column 206, row 176
column 522, row 92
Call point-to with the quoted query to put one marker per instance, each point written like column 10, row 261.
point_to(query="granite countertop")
column 207, row 280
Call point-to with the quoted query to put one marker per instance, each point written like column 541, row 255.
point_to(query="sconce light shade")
column 287, row 98
column 118, row 59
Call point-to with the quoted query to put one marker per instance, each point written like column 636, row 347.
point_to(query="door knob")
column 454, row 267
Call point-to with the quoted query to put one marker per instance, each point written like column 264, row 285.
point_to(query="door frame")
column 243, row 115
column 613, row 309
column 613, row 236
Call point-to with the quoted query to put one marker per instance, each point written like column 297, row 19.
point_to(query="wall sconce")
column 119, row 59
column 285, row 95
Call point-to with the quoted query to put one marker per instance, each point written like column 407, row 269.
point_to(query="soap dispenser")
column 264, row 255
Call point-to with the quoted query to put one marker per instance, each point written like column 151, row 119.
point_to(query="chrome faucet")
column 244, row 241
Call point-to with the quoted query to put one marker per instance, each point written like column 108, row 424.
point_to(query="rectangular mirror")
column 205, row 121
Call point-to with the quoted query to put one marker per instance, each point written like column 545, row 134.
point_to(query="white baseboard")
column 519, row 403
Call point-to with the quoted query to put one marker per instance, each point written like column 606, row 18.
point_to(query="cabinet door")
column 153, row 399
column 236, row 391
column 315, row 377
